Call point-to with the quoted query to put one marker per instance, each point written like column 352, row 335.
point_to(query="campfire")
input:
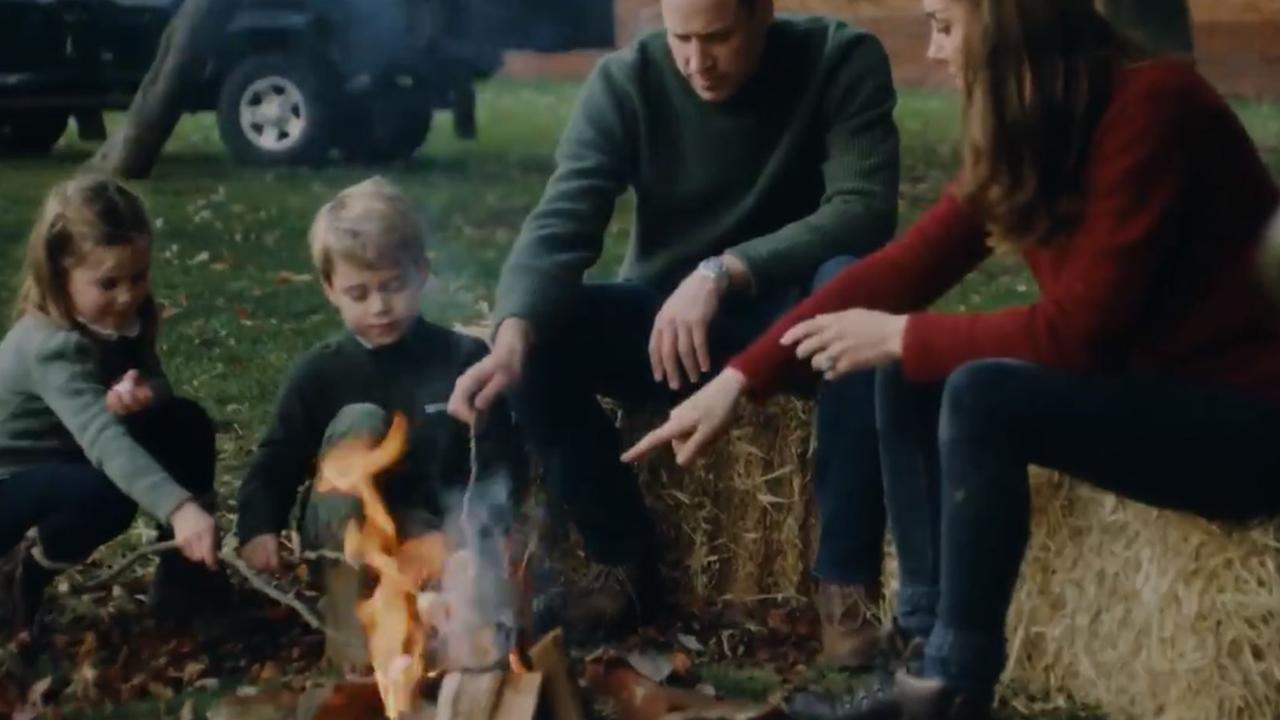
column 442, row 616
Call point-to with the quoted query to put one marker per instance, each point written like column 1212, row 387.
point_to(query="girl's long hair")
column 84, row 212
column 1038, row 75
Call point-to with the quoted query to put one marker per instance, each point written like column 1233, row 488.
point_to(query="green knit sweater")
column 801, row 165
column 53, row 386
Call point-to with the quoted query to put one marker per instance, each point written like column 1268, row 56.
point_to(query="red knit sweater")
column 1159, row 275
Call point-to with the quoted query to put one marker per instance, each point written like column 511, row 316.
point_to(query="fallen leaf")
column 690, row 643
column 159, row 690
column 193, row 671
column 655, row 666
column 636, row 697
column 285, row 277
column 202, row 257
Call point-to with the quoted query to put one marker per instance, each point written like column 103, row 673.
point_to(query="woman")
column 1150, row 365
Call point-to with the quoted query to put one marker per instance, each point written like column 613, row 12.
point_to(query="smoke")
column 473, row 610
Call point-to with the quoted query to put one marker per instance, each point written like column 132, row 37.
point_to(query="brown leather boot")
column 22, row 584
column 850, row 624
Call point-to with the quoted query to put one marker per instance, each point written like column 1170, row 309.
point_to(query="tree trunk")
column 1163, row 26
column 192, row 36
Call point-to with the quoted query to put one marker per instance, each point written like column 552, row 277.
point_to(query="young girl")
column 89, row 429
column 1149, row 366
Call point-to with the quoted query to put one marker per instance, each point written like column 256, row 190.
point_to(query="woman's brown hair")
column 1038, row 75
column 84, row 212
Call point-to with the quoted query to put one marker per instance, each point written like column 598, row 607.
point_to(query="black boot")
column 183, row 590
column 23, row 581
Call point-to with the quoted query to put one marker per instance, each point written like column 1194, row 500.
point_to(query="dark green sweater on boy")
column 413, row 376
column 800, row 166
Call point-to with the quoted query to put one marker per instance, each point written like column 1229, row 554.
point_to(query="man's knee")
column 326, row 517
column 364, row 421
column 829, row 269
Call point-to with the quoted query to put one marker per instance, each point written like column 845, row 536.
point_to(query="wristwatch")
column 714, row 268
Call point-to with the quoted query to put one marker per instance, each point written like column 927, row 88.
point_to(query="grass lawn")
column 231, row 261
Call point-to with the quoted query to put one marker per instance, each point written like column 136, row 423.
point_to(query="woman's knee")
column 980, row 403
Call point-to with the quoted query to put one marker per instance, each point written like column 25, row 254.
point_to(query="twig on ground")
column 231, row 558
column 108, row 577
column 264, row 586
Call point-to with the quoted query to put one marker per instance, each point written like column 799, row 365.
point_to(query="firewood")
column 548, row 657
column 469, row 695
column 519, row 698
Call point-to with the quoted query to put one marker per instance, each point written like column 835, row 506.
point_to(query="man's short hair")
column 371, row 225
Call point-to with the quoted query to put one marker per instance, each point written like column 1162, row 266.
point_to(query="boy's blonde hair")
column 79, row 214
column 371, row 225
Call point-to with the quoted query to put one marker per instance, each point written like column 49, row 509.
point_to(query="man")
column 762, row 152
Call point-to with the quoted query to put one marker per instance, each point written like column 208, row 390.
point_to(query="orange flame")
column 390, row 617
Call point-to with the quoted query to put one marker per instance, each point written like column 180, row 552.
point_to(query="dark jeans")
column 955, row 459
column 75, row 507
column 603, row 350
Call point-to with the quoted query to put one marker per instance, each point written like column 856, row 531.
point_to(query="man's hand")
column 696, row 422
column 129, row 395
column 262, row 554
column 196, row 533
column 679, row 341
column 477, row 388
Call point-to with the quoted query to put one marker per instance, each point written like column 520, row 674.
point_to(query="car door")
column 33, row 39
column 124, row 35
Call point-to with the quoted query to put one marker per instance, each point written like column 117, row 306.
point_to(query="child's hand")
column 262, row 554
column 129, row 395
column 196, row 533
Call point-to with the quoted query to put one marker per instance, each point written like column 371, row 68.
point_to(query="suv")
column 290, row 80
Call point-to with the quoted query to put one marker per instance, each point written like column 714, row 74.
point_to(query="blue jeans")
column 602, row 349
column 955, row 459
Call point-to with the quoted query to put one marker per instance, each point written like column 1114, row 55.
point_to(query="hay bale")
column 740, row 523
column 1137, row 612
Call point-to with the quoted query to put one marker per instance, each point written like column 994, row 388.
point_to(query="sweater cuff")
column 924, row 350
column 161, row 501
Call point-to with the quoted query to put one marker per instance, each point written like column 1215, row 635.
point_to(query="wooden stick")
column 264, row 587
column 547, row 657
column 108, row 577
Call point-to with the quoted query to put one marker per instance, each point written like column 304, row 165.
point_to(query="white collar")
column 132, row 330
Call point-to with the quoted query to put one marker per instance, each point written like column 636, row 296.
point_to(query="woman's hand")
column 840, row 343
column 694, row 423
column 129, row 395
column 196, row 533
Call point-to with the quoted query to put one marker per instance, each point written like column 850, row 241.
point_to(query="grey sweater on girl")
column 53, row 386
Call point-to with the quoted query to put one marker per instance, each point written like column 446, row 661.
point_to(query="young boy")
column 369, row 250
